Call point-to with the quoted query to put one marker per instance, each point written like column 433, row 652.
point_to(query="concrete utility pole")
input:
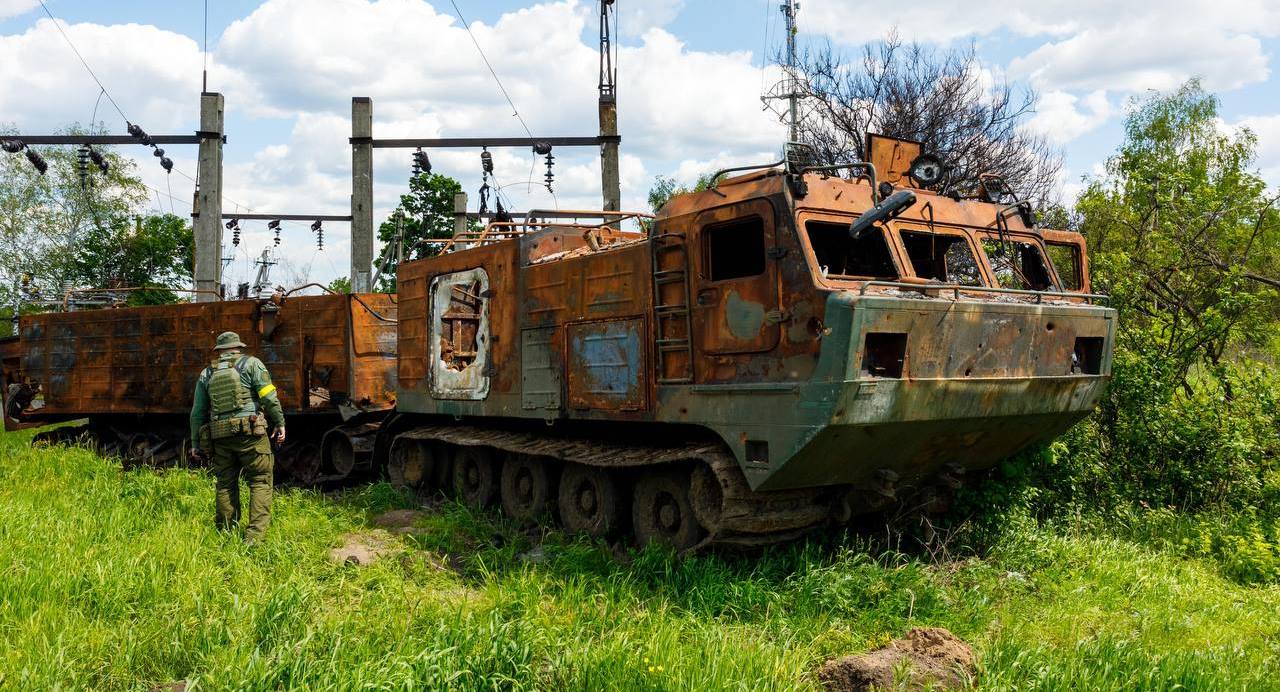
column 361, row 193
column 208, row 225
column 459, row 213
column 610, row 183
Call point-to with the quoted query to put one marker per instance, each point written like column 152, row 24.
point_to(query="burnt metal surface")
column 931, row 357
column 322, row 351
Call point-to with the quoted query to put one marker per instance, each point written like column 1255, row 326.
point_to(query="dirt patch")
column 363, row 548
column 928, row 657
column 401, row 521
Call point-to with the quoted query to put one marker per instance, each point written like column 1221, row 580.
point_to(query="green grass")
column 117, row 580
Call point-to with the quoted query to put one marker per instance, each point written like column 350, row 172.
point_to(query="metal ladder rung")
column 671, row 309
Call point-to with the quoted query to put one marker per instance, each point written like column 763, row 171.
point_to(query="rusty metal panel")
column 540, row 367
column 551, row 293
column 613, row 282
column 373, row 348
column 607, row 365
column 146, row 359
column 411, row 283
column 892, row 157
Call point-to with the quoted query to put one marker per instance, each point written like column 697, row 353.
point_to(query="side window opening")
column 940, row 257
column 459, row 335
column 1065, row 258
column 838, row 254
column 1017, row 265
column 735, row 249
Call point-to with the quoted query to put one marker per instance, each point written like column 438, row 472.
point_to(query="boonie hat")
column 228, row 340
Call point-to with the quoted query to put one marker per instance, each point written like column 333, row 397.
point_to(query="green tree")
column 1183, row 233
column 155, row 251
column 665, row 187
column 59, row 231
column 424, row 214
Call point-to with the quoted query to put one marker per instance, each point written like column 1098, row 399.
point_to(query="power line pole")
column 610, row 181
column 361, row 193
column 208, row 223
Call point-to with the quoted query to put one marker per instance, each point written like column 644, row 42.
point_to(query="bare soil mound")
column 927, row 658
column 400, row 521
column 363, row 548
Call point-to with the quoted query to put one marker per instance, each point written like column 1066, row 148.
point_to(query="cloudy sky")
column 691, row 74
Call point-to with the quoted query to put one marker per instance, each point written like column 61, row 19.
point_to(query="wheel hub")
column 587, row 501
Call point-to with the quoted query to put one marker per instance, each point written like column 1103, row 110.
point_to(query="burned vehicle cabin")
column 787, row 348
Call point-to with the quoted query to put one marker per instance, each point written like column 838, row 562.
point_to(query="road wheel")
column 662, row 513
column 410, row 464
column 474, row 480
column 528, row 488
column 589, row 500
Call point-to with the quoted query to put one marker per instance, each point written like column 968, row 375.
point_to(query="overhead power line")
column 75, row 50
column 514, row 111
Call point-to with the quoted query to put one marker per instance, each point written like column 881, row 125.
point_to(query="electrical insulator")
column 158, row 153
column 319, row 231
column 99, row 160
column 486, row 161
column 234, row 226
column 37, row 161
column 421, row 163
column 166, row 163
column 13, row 146
column 82, row 160
column 275, row 226
column 541, row 148
column 139, row 134
column 550, row 175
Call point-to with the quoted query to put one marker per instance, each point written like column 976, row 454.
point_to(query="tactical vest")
column 232, row 410
column 228, row 395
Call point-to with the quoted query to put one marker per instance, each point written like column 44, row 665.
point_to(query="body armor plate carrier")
column 231, row 408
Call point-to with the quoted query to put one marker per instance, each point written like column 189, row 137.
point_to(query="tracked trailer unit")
column 790, row 347
column 130, row 373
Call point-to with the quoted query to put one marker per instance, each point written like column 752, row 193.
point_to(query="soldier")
column 234, row 402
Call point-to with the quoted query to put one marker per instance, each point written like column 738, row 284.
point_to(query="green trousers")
column 249, row 455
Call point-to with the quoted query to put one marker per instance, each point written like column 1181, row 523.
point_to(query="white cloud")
column 1062, row 117
column 636, row 18
column 13, row 8
column 1095, row 44
column 301, row 61
column 1267, row 130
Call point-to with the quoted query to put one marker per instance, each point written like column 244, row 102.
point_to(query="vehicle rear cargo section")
column 132, row 371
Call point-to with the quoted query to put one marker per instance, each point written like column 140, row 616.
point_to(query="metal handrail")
column 66, row 297
column 1039, row 295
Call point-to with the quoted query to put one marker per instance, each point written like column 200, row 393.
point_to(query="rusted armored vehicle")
column 131, row 373
column 791, row 347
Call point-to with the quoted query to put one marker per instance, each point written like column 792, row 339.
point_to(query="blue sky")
column 691, row 75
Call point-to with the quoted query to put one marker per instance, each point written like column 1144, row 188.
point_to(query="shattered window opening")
column 735, row 250
column 460, row 325
column 1017, row 264
column 839, row 255
column 1065, row 258
column 942, row 257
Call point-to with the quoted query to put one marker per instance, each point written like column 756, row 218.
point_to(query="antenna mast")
column 789, row 88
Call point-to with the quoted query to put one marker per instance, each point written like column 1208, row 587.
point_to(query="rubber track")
column 745, row 517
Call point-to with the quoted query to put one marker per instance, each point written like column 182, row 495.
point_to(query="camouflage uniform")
column 230, row 420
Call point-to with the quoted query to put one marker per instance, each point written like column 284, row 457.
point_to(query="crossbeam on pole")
column 112, row 139
column 473, row 142
column 283, row 217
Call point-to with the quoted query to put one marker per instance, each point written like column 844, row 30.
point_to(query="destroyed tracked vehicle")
column 788, row 348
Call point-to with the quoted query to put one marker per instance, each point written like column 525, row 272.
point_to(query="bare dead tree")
column 940, row 98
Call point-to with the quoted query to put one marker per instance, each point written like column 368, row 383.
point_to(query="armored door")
column 736, row 296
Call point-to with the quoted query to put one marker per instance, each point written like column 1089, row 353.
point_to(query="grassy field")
column 117, row 580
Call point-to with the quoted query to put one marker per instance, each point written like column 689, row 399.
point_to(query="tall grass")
column 113, row 579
